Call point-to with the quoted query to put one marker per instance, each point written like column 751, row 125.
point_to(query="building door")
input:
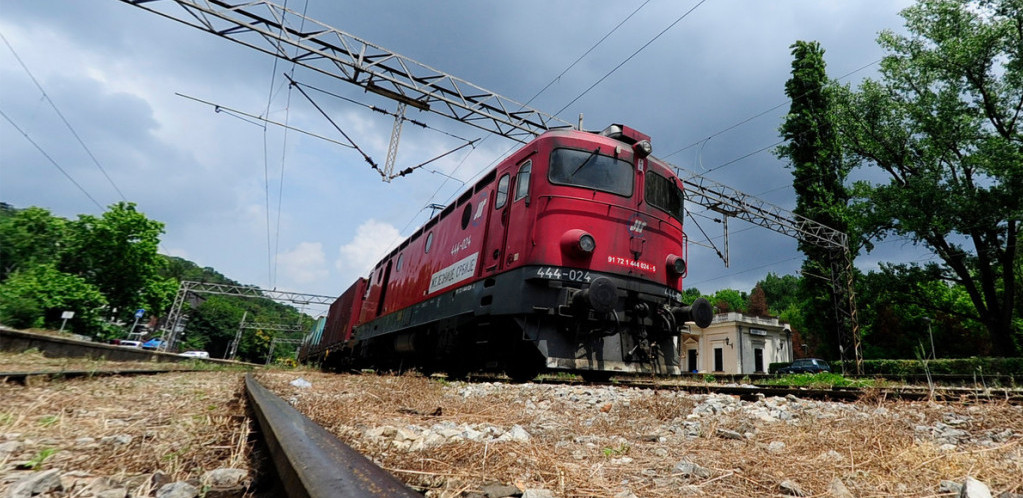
column 758, row 360
column 691, row 355
column 719, row 360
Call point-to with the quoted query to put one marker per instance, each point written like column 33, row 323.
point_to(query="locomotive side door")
column 493, row 251
column 517, row 214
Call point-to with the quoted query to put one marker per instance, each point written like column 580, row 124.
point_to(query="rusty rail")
column 312, row 462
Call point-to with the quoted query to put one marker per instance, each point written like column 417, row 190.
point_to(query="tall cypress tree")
column 818, row 172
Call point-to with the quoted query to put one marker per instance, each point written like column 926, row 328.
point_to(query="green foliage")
column 181, row 269
column 896, row 304
column 780, row 292
column 978, row 366
column 622, row 449
column 37, row 297
column 37, row 461
column 822, row 380
column 107, row 267
column 117, row 253
column 691, row 294
column 943, row 125
column 214, row 324
column 726, row 300
column 30, row 237
column 819, row 172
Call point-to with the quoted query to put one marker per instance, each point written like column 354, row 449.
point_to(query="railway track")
column 752, row 392
column 308, row 461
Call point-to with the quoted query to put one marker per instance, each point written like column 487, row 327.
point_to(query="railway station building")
column 735, row 343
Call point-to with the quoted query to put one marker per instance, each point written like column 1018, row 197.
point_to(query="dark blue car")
column 806, row 365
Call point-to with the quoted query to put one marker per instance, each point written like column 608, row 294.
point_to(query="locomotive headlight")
column 676, row 265
column 578, row 243
column 642, row 148
column 586, row 243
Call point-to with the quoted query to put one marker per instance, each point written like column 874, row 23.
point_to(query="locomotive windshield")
column 663, row 194
column 584, row 168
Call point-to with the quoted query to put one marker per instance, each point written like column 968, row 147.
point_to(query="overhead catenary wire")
column 52, row 161
column 629, row 58
column 762, row 113
column 259, row 120
column 365, row 156
column 63, row 119
column 588, row 51
column 266, row 177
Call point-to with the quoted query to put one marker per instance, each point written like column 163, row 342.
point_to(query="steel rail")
column 838, row 394
column 312, row 462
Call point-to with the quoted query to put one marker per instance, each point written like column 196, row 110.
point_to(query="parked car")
column 152, row 344
column 129, row 344
column 806, row 365
column 196, row 354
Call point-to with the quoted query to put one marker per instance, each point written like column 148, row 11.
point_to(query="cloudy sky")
column 97, row 100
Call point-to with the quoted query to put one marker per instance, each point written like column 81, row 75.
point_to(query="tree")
column 943, row 124
column 819, row 174
column 38, row 296
column 30, row 237
column 757, row 302
column 118, row 254
column 726, row 300
column 212, row 326
column 906, row 305
column 780, row 292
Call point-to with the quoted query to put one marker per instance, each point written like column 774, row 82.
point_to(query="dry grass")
column 632, row 440
column 35, row 361
column 179, row 424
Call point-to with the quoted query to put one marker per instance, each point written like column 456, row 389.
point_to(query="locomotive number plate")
column 556, row 273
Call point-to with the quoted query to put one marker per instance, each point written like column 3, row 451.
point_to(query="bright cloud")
column 372, row 241
column 305, row 264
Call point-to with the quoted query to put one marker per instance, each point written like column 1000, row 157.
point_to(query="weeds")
column 823, row 380
column 37, row 461
column 49, row 420
column 620, row 450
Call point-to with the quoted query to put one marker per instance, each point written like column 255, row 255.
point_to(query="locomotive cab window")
column 429, row 242
column 663, row 194
column 590, row 169
column 522, row 181
column 502, row 192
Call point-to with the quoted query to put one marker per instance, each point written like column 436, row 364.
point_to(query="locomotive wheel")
column 595, row 375
column 524, row 370
column 457, row 370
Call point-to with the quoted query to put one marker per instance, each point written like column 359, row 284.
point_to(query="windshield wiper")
column 585, row 162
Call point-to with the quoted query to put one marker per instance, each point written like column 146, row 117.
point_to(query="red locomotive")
column 569, row 255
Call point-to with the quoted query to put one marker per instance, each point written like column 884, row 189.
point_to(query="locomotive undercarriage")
column 532, row 319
